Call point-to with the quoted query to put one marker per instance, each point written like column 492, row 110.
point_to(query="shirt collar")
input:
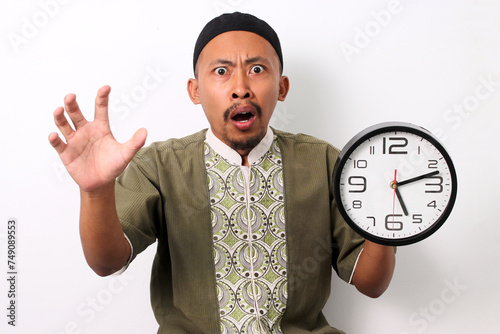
column 234, row 157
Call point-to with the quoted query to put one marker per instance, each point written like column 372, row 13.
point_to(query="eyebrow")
column 252, row 60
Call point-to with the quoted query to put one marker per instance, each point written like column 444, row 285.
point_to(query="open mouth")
column 243, row 117
column 242, row 113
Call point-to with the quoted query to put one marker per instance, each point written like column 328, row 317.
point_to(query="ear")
column 192, row 88
column 284, row 87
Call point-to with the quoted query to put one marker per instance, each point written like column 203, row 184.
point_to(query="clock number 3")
column 436, row 186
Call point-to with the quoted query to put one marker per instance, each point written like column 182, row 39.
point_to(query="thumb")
column 134, row 144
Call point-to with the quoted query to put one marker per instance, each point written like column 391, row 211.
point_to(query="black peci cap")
column 236, row 22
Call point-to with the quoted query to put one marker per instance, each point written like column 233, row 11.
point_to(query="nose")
column 241, row 88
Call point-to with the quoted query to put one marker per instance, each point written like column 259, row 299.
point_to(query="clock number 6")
column 391, row 224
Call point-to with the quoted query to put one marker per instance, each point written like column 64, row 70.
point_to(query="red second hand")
column 394, row 197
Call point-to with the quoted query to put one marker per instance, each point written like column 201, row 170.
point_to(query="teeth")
column 240, row 117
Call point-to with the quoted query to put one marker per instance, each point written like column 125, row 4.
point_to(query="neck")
column 240, row 154
column 244, row 157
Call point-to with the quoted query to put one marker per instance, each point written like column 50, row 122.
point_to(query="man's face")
column 238, row 84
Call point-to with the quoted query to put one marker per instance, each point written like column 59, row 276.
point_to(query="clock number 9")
column 357, row 181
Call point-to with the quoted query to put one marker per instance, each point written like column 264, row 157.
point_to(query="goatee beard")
column 247, row 143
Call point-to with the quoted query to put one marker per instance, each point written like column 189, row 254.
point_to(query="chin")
column 245, row 142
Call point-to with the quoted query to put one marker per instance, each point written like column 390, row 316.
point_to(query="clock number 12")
column 399, row 143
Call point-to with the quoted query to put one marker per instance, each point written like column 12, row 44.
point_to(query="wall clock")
column 395, row 183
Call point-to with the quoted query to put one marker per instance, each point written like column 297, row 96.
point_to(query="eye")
column 257, row 69
column 220, row 71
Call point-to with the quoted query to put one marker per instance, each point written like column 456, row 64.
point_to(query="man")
column 244, row 216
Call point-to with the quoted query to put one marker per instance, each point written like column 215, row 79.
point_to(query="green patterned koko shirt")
column 238, row 249
column 248, row 222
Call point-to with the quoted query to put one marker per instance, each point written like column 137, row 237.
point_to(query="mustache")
column 229, row 110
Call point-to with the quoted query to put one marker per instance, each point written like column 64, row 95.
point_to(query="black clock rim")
column 388, row 127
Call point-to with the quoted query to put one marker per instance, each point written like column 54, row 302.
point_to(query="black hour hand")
column 400, row 199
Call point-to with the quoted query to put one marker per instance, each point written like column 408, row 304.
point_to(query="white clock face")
column 397, row 186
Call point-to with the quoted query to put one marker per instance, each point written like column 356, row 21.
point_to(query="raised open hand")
column 91, row 154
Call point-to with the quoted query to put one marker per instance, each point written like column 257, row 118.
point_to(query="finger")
column 134, row 144
column 101, row 103
column 62, row 123
column 56, row 142
column 74, row 111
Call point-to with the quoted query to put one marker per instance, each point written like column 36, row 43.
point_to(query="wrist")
column 104, row 191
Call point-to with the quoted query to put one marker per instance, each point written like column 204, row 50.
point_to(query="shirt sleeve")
column 347, row 243
column 138, row 203
column 348, row 246
column 121, row 271
column 354, row 269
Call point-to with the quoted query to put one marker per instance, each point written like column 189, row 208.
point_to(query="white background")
column 351, row 64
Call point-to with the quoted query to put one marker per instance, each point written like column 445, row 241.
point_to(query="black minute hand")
column 423, row 176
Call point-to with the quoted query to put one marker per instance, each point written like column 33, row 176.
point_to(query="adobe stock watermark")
column 153, row 78
column 363, row 37
column 32, row 25
column 89, row 309
column 281, row 118
column 226, row 6
column 421, row 319
column 322, row 252
column 408, row 163
column 455, row 116
column 461, row 111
